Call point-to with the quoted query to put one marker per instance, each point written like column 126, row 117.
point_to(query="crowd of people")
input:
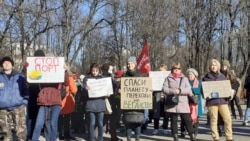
column 30, row 109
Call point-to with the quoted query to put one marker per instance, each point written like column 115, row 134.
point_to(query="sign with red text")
column 45, row 69
column 136, row 93
column 158, row 78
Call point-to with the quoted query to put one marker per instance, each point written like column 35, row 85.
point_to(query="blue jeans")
column 95, row 119
column 247, row 114
column 48, row 115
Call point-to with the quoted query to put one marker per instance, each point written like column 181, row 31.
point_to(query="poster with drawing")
column 45, row 69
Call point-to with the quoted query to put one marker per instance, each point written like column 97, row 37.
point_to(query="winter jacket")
column 169, row 87
column 133, row 116
column 215, row 101
column 94, row 104
column 68, row 102
column 13, row 91
column 49, row 94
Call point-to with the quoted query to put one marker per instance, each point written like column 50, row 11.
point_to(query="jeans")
column 133, row 126
column 247, row 114
column 48, row 115
column 95, row 119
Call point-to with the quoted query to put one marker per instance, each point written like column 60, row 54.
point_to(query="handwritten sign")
column 100, row 87
column 45, row 69
column 135, row 93
column 215, row 89
column 158, row 78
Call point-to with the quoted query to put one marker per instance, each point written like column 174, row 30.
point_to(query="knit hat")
column 119, row 73
column 6, row 58
column 39, row 53
column 132, row 59
column 193, row 71
column 226, row 63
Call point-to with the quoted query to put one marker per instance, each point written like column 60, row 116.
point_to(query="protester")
column 68, row 105
column 157, row 109
column 218, row 105
column 49, row 102
column 195, row 108
column 247, row 112
column 13, row 101
column 112, row 120
column 32, row 104
column 78, row 119
column 133, row 114
column 235, row 86
column 95, row 107
column 177, row 84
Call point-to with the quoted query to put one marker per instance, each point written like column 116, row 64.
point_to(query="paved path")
column 240, row 133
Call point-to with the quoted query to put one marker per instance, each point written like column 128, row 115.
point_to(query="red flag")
column 143, row 64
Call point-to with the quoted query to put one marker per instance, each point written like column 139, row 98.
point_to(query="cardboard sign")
column 100, row 87
column 136, row 93
column 45, row 69
column 158, row 78
column 216, row 89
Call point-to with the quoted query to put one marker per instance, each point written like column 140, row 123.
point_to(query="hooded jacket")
column 13, row 90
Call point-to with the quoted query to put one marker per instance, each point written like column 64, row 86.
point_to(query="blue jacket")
column 13, row 91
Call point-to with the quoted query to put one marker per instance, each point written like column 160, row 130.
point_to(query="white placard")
column 45, row 69
column 100, row 87
column 158, row 78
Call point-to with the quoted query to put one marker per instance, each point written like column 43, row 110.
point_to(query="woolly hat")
column 132, row 59
column 119, row 73
column 194, row 71
column 226, row 63
column 39, row 53
column 6, row 58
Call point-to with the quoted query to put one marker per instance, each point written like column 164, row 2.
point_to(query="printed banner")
column 100, row 87
column 45, row 69
column 158, row 78
column 136, row 93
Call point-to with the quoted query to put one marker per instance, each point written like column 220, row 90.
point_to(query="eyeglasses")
column 176, row 68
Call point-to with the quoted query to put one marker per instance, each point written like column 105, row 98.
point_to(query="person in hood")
column 13, row 101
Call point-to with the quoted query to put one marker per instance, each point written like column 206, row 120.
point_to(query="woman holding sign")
column 177, row 85
column 95, row 106
column 217, row 105
column 133, row 115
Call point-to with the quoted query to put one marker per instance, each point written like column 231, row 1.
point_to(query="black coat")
column 247, row 87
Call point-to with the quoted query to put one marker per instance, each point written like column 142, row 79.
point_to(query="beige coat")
column 170, row 85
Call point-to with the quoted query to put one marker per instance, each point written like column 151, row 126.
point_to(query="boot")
column 176, row 137
column 192, row 137
column 137, row 138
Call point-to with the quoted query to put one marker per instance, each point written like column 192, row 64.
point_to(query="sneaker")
column 155, row 132
column 165, row 132
column 245, row 123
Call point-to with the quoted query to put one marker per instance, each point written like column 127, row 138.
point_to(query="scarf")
column 193, row 112
column 176, row 75
column 196, row 83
